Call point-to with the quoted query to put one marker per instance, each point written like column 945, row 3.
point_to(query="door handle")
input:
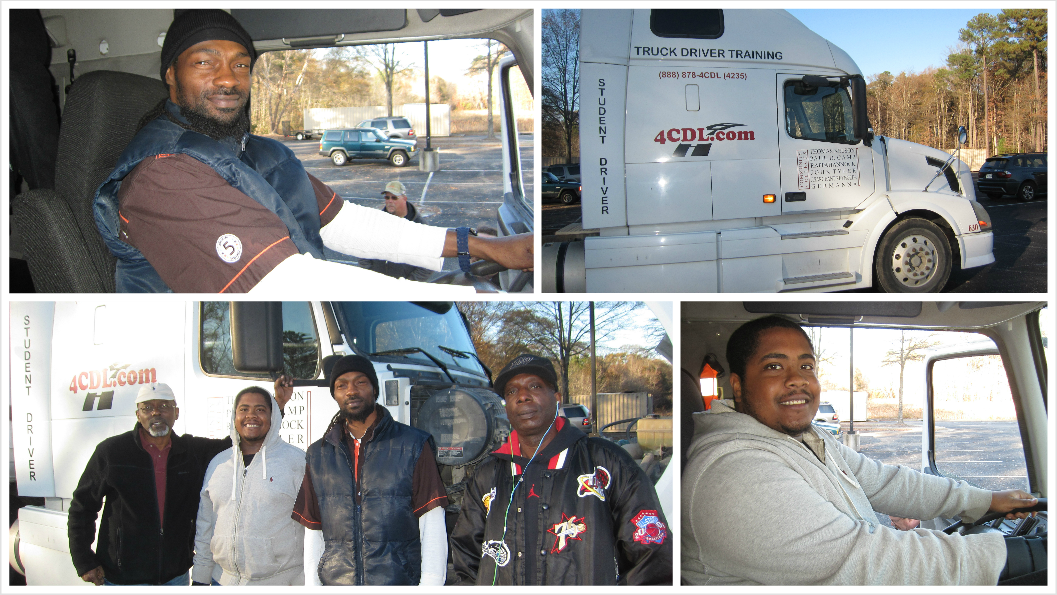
column 795, row 196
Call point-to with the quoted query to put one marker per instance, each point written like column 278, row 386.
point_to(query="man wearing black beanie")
column 372, row 498
column 198, row 204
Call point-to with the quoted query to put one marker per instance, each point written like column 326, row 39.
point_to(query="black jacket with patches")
column 558, row 528
column 134, row 547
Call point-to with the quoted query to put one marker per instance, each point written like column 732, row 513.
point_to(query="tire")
column 1026, row 192
column 567, row 197
column 914, row 256
column 398, row 158
column 300, row 136
column 339, row 158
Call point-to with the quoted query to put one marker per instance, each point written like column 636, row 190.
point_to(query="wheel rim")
column 398, row 159
column 914, row 260
column 1028, row 192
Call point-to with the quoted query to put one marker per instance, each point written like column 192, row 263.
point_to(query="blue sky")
column 896, row 40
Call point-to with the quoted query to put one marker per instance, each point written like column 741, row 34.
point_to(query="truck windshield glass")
column 300, row 342
column 819, row 113
column 372, row 327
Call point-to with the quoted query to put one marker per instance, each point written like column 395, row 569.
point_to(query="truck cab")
column 730, row 151
column 973, row 403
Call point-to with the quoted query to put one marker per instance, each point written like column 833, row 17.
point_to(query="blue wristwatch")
column 462, row 245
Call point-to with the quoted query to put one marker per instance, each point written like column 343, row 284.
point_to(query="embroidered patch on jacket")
column 497, row 550
column 570, row 528
column 593, row 484
column 532, row 492
column 229, row 248
column 650, row 528
column 487, row 501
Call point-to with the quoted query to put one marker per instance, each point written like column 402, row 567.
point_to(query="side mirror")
column 961, row 135
column 860, row 120
column 257, row 336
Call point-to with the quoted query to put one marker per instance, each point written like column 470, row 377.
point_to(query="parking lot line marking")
column 422, row 199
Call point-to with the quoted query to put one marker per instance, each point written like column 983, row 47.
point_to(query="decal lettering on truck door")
column 708, row 135
column 827, row 168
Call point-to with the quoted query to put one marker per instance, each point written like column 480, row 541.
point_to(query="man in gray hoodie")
column 811, row 499
column 245, row 535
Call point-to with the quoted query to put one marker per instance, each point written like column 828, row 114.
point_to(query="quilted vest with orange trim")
column 375, row 542
column 262, row 168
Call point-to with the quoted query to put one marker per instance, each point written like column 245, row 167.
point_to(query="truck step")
column 818, row 280
column 816, row 234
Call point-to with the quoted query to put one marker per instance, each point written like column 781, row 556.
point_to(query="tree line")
column 561, row 332
column 285, row 83
column 994, row 84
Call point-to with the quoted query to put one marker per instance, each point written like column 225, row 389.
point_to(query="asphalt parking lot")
column 467, row 190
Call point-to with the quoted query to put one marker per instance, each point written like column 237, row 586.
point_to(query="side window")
column 378, row 124
column 971, row 399
column 352, row 135
column 366, row 136
column 401, row 124
column 819, row 113
column 574, row 170
column 332, row 136
column 300, row 342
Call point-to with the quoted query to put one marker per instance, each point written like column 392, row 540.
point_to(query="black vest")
column 375, row 542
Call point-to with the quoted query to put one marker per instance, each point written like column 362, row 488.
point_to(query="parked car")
column 578, row 415
column 1013, row 174
column 827, row 413
column 565, row 171
column 393, row 127
column 365, row 143
column 566, row 192
column 827, row 419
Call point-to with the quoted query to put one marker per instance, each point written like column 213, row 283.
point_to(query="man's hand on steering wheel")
column 1009, row 501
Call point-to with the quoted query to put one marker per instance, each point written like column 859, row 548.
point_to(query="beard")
column 158, row 432
column 794, row 431
column 199, row 119
column 358, row 416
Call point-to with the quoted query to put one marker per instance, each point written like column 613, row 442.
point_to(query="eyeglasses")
column 162, row 408
column 391, row 197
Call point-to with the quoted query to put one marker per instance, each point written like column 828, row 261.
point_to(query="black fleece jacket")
column 133, row 548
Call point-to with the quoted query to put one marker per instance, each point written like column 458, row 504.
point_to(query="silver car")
column 393, row 127
column 578, row 415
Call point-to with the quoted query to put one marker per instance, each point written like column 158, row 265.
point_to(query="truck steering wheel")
column 960, row 526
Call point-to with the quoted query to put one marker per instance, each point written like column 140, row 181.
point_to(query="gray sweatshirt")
column 244, row 531
column 762, row 508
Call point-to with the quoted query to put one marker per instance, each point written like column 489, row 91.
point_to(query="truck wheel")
column 338, row 158
column 914, row 257
column 300, row 136
column 566, row 197
column 1026, row 192
column 398, row 158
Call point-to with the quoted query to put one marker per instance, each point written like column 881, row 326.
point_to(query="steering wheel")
column 479, row 271
column 1039, row 506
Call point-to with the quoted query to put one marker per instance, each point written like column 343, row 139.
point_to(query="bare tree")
column 382, row 57
column 561, row 74
column 911, row 349
column 487, row 63
column 822, row 356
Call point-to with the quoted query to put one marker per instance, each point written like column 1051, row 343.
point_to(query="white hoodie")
column 761, row 507
column 244, row 531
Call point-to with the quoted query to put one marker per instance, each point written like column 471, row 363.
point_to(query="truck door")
column 823, row 165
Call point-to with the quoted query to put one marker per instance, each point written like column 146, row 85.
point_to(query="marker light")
column 768, row 198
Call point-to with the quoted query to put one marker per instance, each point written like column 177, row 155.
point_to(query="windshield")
column 434, row 327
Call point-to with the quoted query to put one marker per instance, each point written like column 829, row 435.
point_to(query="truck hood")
column 912, row 166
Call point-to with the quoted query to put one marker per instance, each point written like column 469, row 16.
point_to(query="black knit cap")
column 195, row 26
column 527, row 363
column 352, row 363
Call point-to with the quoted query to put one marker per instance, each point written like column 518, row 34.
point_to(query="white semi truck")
column 730, row 151
column 76, row 368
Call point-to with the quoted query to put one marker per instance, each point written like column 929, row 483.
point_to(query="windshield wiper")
column 408, row 350
column 466, row 355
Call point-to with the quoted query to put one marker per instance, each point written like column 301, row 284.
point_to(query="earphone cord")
column 524, row 472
